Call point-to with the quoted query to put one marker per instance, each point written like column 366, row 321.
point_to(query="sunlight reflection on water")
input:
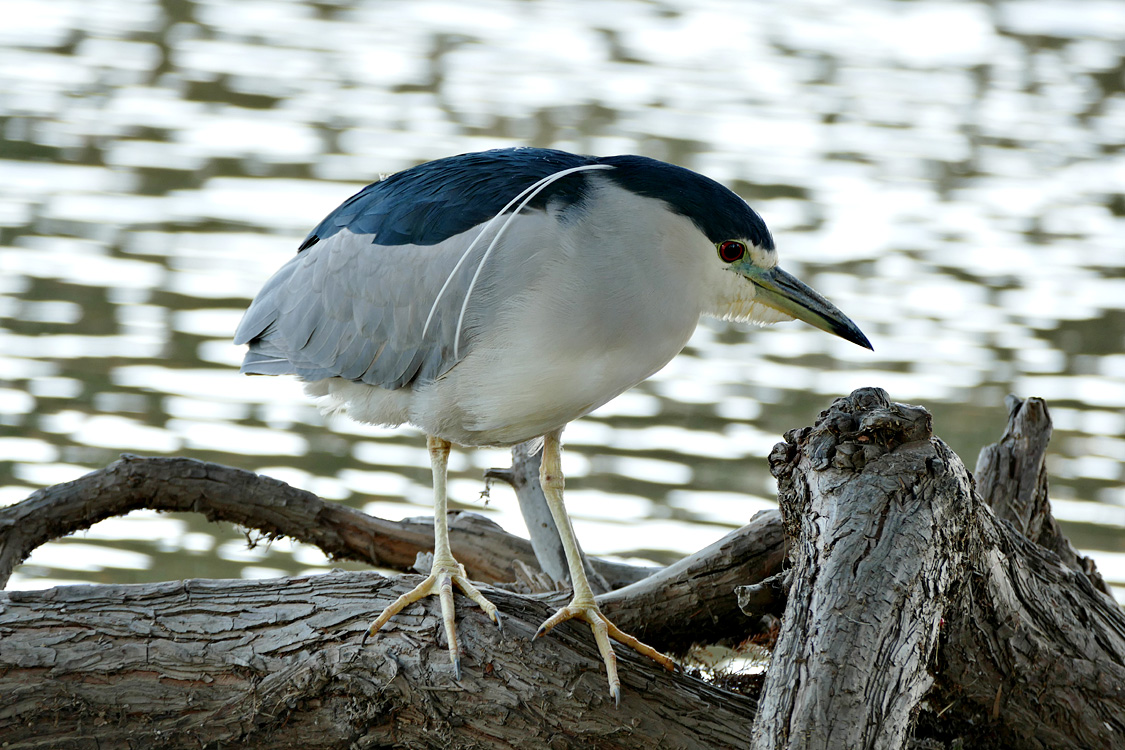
column 949, row 173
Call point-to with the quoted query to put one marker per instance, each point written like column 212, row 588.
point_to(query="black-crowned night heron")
column 491, row 298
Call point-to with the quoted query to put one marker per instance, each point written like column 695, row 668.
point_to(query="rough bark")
column 667, row 611
column 696, row 595
column 1012, row 478
column 871, row 505
column 905, row 585
column 1036, row 658
column 279, row 664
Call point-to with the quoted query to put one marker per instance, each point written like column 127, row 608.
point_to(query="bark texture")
column 873, row 506
column 1036, row 656
column 696, row 595
column 1012, row 479
column 667, row 611
column 279, row 664
column 917, row 615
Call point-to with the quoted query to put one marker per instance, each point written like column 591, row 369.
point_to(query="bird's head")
column 749, row 284
column 763, row 284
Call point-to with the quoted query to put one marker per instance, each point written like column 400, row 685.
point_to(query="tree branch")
column 223, row 493
column 672, row 609
column 667, row 611
column 278, row 664
column 909, row 607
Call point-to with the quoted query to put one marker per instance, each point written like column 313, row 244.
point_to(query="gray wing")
column 347, row 308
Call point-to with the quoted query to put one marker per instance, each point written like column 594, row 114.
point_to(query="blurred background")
column 950, row 174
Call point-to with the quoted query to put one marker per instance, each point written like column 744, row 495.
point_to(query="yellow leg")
column 582, row 606
column 446, row 571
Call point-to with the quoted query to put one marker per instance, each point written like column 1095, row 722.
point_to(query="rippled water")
column 951, row 174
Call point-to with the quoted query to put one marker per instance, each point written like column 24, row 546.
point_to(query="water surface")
column 951, row 174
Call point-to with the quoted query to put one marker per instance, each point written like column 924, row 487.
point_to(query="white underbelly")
column 498, row 398
column 490, row 400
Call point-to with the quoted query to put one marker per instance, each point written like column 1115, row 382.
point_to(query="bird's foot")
column 603, row 629
column 444, row 574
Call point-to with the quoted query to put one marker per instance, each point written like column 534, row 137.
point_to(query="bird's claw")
column 604, row 630
column 444, row 574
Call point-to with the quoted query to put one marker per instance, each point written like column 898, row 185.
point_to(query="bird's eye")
column 731, row 250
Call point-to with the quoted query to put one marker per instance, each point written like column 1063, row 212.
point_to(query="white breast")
column 597, row 307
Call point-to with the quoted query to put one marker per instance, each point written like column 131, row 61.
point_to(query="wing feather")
column 347, row 308
column 353, row 303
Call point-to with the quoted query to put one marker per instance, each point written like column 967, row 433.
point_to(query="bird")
column 491, row 298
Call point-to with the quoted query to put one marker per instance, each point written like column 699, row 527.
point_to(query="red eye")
column 730, row 251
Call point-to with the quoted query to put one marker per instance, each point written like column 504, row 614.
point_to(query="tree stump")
column 913, row 605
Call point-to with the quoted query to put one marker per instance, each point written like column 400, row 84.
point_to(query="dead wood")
column 914, row 616
column 1012, row 478
column 278, row 664
column 913, row 606
column 697, row 595
column 1036, row 656
column 873, row 543
column 668, row 611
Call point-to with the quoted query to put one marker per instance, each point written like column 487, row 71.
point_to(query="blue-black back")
column 718, row 212
column 431, row 202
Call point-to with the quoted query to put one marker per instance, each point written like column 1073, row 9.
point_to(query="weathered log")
column 696, row 595
column 667, row 611
column 906, row 586
column 871, row 507
column 1036, row 657
column 223, row 493
column 279, row 664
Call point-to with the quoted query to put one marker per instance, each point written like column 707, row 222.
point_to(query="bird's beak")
column 787, row 293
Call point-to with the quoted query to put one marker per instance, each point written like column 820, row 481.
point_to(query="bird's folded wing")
column 348, row 308
column 355, row 301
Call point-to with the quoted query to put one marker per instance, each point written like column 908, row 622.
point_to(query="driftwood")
column 223, row 493
column 1036, row 653
column 273, row 508
column 912, row 615
column 278, row 664
column 1012, row 479
column 913, row 605
column 864, row 607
